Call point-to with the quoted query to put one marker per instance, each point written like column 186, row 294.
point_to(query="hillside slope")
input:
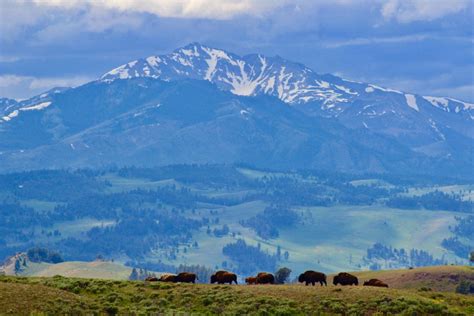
column 40, row 295
column 149, row 122
column 80, row 269
column 439, row 278
column 204, row 105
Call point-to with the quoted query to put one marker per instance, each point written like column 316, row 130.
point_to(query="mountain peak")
column 293, row 83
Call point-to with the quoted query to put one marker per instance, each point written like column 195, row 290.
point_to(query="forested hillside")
column 215, row 215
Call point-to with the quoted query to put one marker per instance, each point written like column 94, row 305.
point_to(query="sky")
column 417, row 46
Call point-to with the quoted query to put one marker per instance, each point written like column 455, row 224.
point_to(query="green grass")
column 439, row 278
column 59, row 295
column 466, row 191
column 328, row 237
column 95, row 269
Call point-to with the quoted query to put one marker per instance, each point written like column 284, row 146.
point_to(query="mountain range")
column 204, row 105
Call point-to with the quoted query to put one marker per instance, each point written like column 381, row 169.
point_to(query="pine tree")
column 282, row 275
column 278, row 254
column 133, row 275
column 17, row 266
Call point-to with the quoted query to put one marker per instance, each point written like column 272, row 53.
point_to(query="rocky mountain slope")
column 200, row 104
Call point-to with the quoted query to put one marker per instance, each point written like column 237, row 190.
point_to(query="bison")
column 151, row 279
column 345, row 278
column 168, row 278
column 251, row 280
column 375, row 282
column 221, row 277
column 265, row 278
column 313, row 277
column 186, row 277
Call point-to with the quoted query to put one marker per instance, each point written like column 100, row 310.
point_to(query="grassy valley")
column 160, row 218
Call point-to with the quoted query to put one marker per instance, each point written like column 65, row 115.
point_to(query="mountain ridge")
column 298, row 120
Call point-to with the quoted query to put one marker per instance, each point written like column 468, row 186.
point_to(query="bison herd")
column 309, row 277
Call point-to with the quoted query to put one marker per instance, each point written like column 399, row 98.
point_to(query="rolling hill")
column 19, row 295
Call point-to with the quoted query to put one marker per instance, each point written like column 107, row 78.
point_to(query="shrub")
column 465, row 287
column 282, row 275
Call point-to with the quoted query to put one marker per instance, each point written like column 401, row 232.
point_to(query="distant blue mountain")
column 201, row 104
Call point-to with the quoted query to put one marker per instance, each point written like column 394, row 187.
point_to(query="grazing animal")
column 313, row 277
column 168, row 278
column 221, row 277
column 214, row 276
column 251, row 280
column 375, row 282
column 151, row 279
column 265, row 278
column 186, row 277
column 345, row 278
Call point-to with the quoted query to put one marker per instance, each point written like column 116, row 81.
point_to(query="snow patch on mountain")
column 15, row 113
column 11, row 115
column 385, row 89
column 36, row 107
column 254, row 74
column 411, row 101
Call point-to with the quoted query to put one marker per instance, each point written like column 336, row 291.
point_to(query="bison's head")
column 301, row 278
column 213, row 279
column 335, row 281
column 366, row 283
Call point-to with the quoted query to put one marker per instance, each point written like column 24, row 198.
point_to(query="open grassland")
column 439, row 278
column 94, row 270
column 329, row 238
column 59, row 295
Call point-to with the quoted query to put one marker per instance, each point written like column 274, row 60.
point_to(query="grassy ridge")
column 59, row 295
column 439, row 278
column 94, row 270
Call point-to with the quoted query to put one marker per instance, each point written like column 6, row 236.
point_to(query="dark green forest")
column 170, row 205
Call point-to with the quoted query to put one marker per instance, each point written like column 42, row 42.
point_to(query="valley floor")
column 60, row 295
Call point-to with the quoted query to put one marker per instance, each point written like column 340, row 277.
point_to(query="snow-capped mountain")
column 420, row 122
column 201, row 104
column 251, row 75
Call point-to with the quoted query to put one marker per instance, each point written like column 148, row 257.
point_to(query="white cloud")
column 10, row 80
column 48, row 83
column 376, row 40
column 406, row 11
column 14, row 86
column 221, row 9
column 9, row 59
column 392, row 40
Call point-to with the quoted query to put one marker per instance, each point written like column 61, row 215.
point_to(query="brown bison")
column 313, row 277
column 151, row 279
column 168, row 278
column 251, row 280
column 375, row 282
column 345, row 278
column 265, row 278
column 186, row 277
column 222, row 277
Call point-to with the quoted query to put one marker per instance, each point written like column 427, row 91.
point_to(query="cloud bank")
column 406, row 11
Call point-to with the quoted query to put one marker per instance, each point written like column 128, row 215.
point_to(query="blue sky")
column 418, row 46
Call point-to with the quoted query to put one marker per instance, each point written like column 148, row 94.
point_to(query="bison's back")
column 345, row 278
column 375, row 282
column 265, row 278
column 186, row 277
